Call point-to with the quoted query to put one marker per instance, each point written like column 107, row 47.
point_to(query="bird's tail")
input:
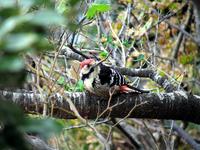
column 128, row 89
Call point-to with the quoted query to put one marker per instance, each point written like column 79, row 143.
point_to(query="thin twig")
column 150, row 133
column 85, row 125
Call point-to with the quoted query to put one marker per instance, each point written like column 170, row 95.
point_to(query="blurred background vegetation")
column 36, row 34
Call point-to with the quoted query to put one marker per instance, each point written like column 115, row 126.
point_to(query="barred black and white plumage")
column 100, row 79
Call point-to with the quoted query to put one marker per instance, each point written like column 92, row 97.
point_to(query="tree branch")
column 196, row 4
column 186, row 137
column 128, row 131
column 146, row 73
column 180, row 35
column 176, row 106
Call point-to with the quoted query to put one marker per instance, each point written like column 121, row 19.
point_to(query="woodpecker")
column 102, row 80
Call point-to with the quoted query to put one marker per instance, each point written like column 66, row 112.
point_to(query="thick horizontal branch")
column 176, row 106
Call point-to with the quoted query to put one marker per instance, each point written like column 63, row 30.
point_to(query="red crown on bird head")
column 86, row 62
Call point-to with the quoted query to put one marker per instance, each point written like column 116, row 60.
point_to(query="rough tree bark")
column 177, row 105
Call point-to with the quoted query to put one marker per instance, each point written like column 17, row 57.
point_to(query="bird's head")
column 87, row 63
column 87, row 66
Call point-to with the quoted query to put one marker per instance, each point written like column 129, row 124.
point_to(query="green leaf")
column 126, row 43
column 11, row 63
column 103, row 54
column 80, row 86
column 139, row 58
column 12, row 78
column 44, row 127
column 162, row 74
column 26, row 4
column 62, row 7
column 9, row 12
column 7, row 3
column 61, row 80
column 97, row 8
column 173, row 6
column 47, row 17
column 73, row 2
column 11, row 118
column 110, row 39
column 43, row 44
column 11, row 23
column 10, row 113
column 17, row 42
column 186, row 59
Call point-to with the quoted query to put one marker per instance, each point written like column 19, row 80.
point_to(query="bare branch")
column 76, row 51
column 186, row 137
column 148, row 73
column 196, row 4
column 129, row 132
column 194, row 39
column 180, row 35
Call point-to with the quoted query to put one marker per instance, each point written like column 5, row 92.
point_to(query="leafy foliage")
column 22, row 30
column 134, row 30
column 97, row 7
column 44, row 128
column 14, row 124
column 139, row 58
column 103, row 54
